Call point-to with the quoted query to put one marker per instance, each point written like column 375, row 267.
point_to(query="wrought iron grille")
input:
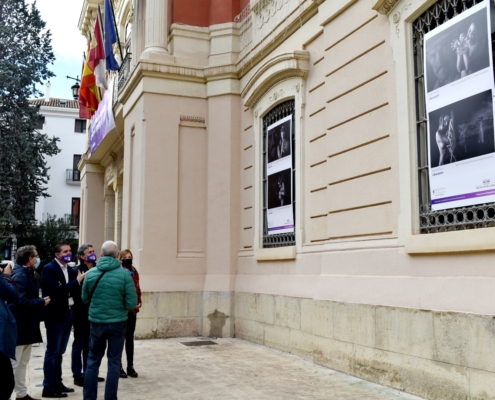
column 125, row 71
column 276, row 114
column 478, row 216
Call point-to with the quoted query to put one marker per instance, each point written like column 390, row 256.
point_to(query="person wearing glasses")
column 28, row 312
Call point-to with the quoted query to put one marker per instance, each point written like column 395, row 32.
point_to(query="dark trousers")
column 57, row 337
column 7, row 377
column 129, row 339
column 101, row 334
column 80, row 350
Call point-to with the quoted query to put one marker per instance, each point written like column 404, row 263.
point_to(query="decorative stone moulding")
column 266, row 9
column 385, row 6
column 279, row 68
column 189, row 118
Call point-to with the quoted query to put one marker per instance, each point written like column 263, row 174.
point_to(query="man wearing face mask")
column 61, row 283
column 80, row 346
column 28, row 312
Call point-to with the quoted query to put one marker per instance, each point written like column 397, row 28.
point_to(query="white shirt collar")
column 61, row 265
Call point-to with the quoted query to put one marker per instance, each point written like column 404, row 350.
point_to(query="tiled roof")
column 56, row 103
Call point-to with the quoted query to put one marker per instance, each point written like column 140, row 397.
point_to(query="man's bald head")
column 110, row 249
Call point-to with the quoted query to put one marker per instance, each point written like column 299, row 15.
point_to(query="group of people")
column 97, row 300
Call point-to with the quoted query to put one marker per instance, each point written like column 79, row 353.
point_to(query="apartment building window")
column 75, row 172
column 40, row 122
column 279, row 183
column 452, row 219
column 80, row 126
column 75, row 210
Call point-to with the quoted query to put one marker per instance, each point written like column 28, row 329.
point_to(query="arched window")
column 128, row 36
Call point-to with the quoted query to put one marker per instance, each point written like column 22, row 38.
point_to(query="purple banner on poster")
column 281, row 227
column 464, row 196
column 103, row 121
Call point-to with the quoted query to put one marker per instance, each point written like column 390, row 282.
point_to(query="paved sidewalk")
column 233, row 369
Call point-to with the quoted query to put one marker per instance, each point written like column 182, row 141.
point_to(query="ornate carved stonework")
column 273, row 81
column 189, row 118
column 275, row 96
column 130, row 15
column 385, row 6
column 397, row 16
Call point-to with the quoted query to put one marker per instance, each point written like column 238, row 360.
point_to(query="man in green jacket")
column 110, row 293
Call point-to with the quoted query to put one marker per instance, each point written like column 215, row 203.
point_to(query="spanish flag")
column 89, row 95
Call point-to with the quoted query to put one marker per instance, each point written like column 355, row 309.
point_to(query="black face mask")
column 127, row 263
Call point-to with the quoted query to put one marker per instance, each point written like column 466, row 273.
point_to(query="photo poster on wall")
column 280, row 215
column 459, row 86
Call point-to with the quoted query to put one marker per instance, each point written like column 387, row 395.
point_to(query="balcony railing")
column 73, row 176
column 72, row 219
column 125, row 70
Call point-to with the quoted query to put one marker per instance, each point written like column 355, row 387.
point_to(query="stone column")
column 109, row 214
column 92, row 216
column 118, row 188
column 156, row 30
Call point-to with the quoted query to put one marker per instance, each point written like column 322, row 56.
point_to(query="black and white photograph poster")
column 459, row 87
column 280, row 215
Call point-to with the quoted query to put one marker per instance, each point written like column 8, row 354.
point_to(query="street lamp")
column 75, row 88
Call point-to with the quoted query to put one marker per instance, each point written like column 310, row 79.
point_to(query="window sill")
column 276, row 253
column 452, row 242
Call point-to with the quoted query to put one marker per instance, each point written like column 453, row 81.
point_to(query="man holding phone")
column 28, row 312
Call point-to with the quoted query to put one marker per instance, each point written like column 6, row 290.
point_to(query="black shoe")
column 100, row 379
column 52, row 393
column 132, row 373
column 79, row 382
column 122, row 373
column 64, row 389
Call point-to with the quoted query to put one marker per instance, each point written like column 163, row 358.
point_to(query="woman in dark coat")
column 126, row 261
column 8, row 335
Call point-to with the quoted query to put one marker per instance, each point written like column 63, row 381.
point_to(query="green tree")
column 47, row 234
column 25, row 54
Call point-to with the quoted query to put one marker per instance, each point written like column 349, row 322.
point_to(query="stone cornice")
column 385, row 6
column 88, row 11
column 278, row 68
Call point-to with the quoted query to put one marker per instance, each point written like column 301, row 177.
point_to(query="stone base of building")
column 436, row 355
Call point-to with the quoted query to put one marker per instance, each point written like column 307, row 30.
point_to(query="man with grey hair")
column 109, row 292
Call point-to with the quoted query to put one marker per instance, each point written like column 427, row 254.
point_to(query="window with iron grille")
column 472, row 217
column 278, row 113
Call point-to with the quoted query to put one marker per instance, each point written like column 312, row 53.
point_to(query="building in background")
column 322, row 240
column 60, row 118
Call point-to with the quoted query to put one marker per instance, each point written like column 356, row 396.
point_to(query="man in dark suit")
column 61, row 284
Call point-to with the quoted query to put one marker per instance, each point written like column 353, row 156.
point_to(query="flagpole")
column 116, row 30
column 101, row 19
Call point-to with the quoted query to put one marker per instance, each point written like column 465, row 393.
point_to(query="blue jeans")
column 57, row 337
column 114, row 334
column 80, row 347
